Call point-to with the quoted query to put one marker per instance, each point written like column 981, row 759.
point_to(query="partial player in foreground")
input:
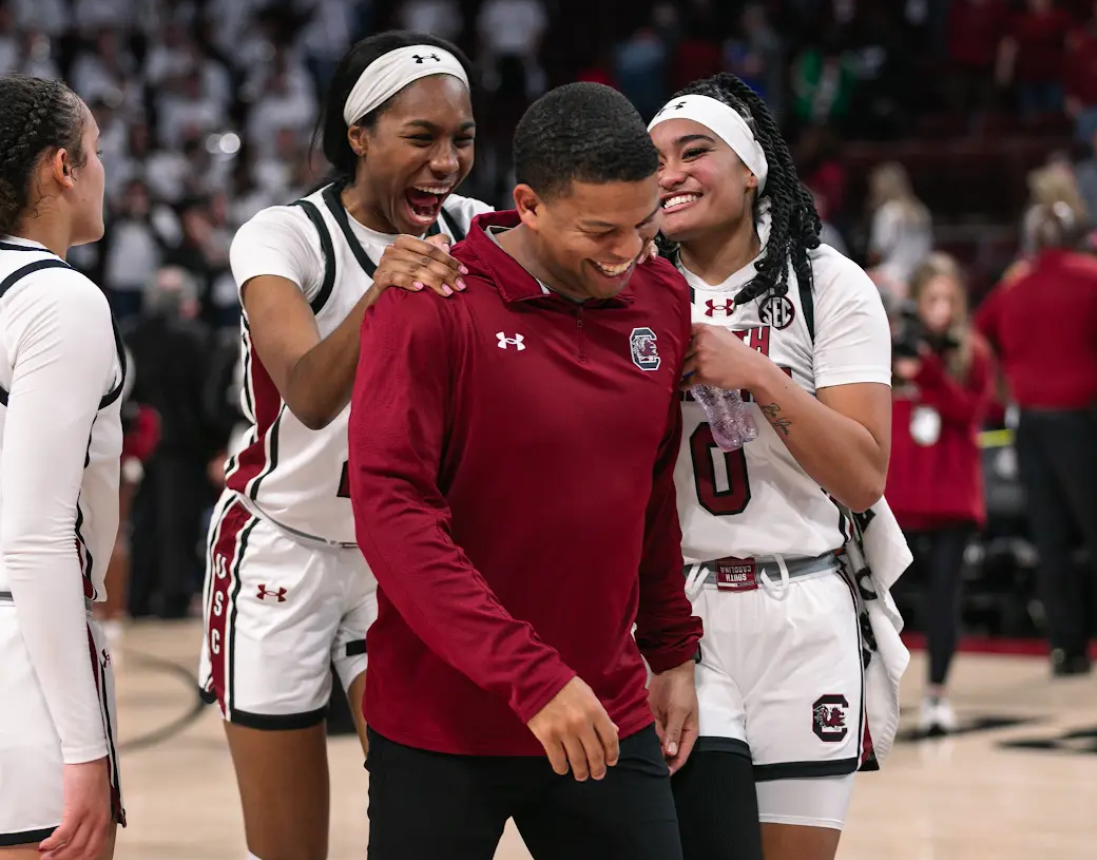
column 62, row 370
column 287, row 591
column 803, row 330
column 512, row 474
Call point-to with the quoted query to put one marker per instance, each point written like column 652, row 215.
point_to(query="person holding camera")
column 943, row 386
column 1042, row 322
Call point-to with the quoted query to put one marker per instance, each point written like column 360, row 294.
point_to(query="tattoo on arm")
column 772, row 413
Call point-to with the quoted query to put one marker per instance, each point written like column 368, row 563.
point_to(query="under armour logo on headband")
column 419, row 59
column 678, row 106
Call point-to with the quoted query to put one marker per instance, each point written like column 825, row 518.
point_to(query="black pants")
column 1057, row 456
column 168, row 541
column 425, row 805
column 938, row 559
column 718, row 807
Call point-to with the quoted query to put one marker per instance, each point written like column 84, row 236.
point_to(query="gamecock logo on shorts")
column 645, row 354
column 829, row 718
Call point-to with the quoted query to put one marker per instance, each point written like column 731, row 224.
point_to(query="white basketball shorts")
column 31, row 794
column 780, row 680
column 278, row 612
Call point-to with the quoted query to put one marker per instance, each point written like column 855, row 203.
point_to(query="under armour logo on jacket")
column 280, row 594
column 516, row 341
column 421, row 60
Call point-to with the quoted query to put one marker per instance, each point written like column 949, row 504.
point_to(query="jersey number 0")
column 723, row 487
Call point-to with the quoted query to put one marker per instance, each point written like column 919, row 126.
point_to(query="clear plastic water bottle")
column 729, row 417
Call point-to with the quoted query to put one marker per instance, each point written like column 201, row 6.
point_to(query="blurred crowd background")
column 920, row 125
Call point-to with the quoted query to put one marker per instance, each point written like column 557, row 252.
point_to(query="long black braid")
column 795, row 225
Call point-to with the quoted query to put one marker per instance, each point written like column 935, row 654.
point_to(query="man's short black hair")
column 582, row 132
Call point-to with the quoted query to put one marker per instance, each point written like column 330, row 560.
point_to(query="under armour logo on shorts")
column 279, row 594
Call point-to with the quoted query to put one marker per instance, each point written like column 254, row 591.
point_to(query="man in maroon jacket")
column 511, row 472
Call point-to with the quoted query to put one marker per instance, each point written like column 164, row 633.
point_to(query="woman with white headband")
column 287, row 590
column 802, row 332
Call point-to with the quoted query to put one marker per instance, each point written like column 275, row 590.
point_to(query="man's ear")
column 358, row 137
column 529, row 206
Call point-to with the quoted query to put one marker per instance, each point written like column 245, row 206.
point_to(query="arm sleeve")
column 279, row 241
column 399, row 425
column 63, row 356
column 666, row 629
column 960, row 403
column 852, row 335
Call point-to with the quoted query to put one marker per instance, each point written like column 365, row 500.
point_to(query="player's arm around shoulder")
column 285, row 280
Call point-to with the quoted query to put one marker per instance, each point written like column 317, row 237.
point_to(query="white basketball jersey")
column 295, row 476
column 758, row 501
column 36, row 289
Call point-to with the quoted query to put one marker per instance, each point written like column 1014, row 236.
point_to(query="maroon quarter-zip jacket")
column 511, row 471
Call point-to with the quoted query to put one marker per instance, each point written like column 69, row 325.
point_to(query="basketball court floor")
column 1019, row 782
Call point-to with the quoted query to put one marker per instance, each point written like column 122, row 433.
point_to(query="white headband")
column 390, row 73
column 726, row 123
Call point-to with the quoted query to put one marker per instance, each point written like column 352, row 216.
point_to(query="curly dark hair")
column 584, row 132
column 795, row 225
column 331, row 129
column 36, row 116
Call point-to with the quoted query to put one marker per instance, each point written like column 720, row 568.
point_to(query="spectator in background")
column 640, row 66
column 132, row 252
column 510, row 33
column 1081, row 80
column 9, row 43
column 975, row 30
column 944, row 383
column 822, row 82
column 1054, row 183
column 755, row 55
column 901, row 235
column 1085, row 177
column 1031, row 57
column 818, row 161
column 1042, row 322
column 171, row 350
column 45, row 17
column 698, row 54
column 441, row 18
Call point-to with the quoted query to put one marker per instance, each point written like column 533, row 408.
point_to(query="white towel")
column 874, row 560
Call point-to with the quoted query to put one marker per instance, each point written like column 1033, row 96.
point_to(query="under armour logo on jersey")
column 517, row 341
column 280, row 594
column 778, row 312
column 712, row 308
column 420, row 60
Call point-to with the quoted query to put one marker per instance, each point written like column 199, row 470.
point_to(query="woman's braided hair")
column 795, row 225
column 36, row 116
